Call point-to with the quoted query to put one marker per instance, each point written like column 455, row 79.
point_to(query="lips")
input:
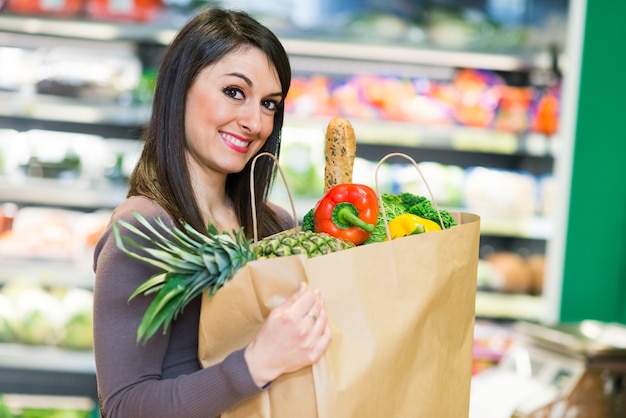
column 237, row 144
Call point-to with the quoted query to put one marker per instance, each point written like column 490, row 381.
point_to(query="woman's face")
column 230, row 111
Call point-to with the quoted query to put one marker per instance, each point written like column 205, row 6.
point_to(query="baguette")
column 340, row 153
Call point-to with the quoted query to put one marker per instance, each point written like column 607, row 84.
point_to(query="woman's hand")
column 294, row 335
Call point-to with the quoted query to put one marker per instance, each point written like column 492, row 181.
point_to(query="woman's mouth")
column 235, row 143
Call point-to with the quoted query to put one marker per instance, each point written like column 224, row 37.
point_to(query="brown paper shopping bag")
column 402, row 316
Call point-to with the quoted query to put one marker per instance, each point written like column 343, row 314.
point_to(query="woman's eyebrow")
column 250, row 83
column 243, row 77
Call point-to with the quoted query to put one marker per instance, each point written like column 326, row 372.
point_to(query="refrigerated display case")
column 402, row 89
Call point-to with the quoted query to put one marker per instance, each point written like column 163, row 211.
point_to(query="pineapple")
column 304, row 242
column 191, row 262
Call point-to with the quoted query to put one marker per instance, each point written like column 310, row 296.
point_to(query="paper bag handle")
column 252, row 192
column 380, row 200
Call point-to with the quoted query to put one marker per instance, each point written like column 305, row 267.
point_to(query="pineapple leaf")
column 151, row 228
column 236, row 253
column 180, row 237
column 197, row 235
column 175, row 264
column 178, row 246
column 196, row 285
column 175, row 250
column 152, row 282
column 221, row 259
column 169, row 251
column 134, row 229
column 209, row 263
column 190, row 263
column 121, row 240
column 161, row 310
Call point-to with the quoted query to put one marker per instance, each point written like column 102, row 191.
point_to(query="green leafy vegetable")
column 393, row 207
column 409, row 199
column 308, row 222
column 426, row 210
column 421, row 206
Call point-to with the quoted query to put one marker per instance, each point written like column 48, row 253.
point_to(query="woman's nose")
column 250, row 118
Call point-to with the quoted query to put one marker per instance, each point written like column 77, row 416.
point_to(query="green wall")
column 594, row 270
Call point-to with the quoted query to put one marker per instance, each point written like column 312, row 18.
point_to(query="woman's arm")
column 161, row 378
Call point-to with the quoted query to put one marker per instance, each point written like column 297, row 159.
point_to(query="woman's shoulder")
column 140, row 205
column 285, row 218
column 126, row 211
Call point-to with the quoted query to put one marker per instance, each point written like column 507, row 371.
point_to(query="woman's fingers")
column 296, row 334
column 318, row 305
column 304, row 303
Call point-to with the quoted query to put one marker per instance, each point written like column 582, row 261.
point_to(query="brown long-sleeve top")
column 163, row 377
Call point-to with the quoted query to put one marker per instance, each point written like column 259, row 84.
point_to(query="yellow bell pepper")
column 409, row 224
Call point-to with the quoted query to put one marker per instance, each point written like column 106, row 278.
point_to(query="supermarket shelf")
column 162, row 34
column 47, row 371
column 445, row 137
column 86, row 29
column 52, row 192
column 77, row 273
column 518, row 226
column 376, row 132
column 493, row 305
column 46, row 358
column 406, row 55
column 56, row 108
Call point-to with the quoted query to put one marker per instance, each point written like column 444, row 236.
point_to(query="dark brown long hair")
column 161, row 172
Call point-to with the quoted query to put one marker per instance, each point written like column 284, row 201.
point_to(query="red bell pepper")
column 348, row 211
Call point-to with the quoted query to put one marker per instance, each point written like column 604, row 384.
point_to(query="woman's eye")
column 233, row 92
column 270, row 104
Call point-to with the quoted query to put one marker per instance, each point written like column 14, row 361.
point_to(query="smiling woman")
column 215, row 107
column 243, row 102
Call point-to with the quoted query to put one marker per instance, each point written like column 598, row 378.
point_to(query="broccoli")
column 421, row 206
column 393, row 207
column 426, row 210
column 409, row 199
column 308, row 224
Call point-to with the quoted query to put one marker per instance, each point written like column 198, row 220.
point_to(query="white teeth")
column 237, row 142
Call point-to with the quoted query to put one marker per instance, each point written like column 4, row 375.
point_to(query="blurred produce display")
column 37, row 233
column 489, row 24
column 79, row 161
column 444, row 181
column 107, row 75
column 302, row 161
column 512, row 273
column 127, row 10
column 34, row 314
column 500, row 191
column 501, row 194
column 63, row 8
column 474, row 98
column 22, row 406
column 104, row 75
column 133, row 10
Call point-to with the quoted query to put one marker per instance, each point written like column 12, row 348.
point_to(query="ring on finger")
column 312, row 315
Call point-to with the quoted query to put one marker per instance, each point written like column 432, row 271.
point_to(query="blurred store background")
column 512, row 107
